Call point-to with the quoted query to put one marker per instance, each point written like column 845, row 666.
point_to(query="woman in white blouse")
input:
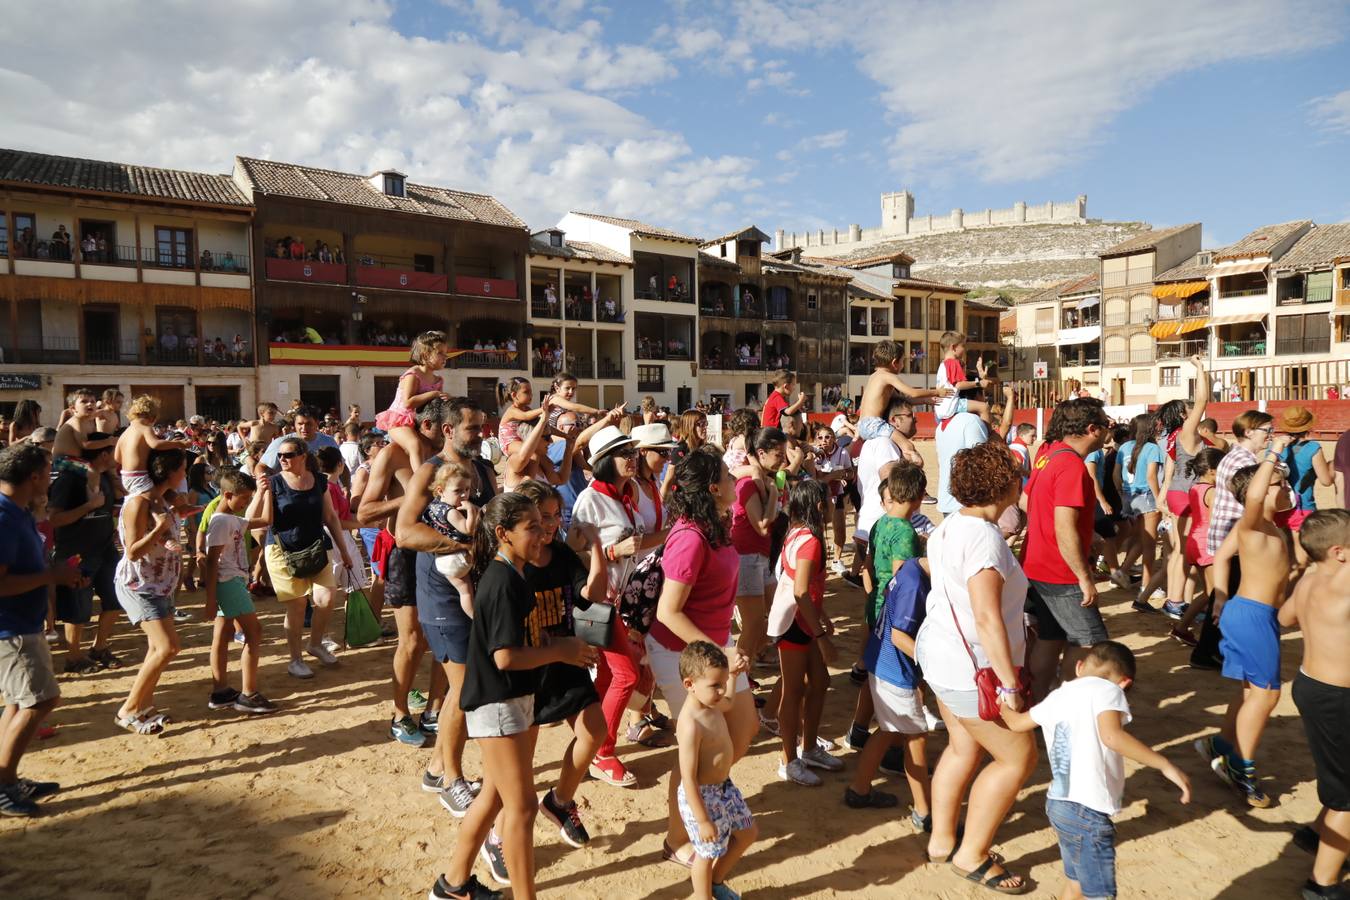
column 975, row 610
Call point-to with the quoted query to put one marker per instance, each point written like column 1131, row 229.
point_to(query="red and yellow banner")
column 357, row 355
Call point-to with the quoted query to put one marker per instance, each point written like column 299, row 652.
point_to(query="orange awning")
column 1180, row 290
column 1189, row 325
column 1164, row 330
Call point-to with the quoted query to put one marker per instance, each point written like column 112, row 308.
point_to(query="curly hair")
column 700, row 469
column 700, row 656
column 984, row 474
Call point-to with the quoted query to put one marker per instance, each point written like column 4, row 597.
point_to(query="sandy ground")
column 317, row 801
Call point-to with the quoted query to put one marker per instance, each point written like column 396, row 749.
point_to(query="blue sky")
column 708, row 115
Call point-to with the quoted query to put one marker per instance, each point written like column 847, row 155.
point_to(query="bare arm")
column 1009, row 405
column 1074, row 553
column 1322, row 469
column 577, row 407
column 912, row 392
column 330, row 519
column 986, row 591
column 1222, row 563
column 1152, row 475
column 1097, row 489
column 141, row 534
column 13, row 585
column 410, row 531
column 1112, row 731
column 761, row 513
column 796, row 406
column 210, row 575
column 1189, row 437
column 689, row 739
column 372, row 512
column 1255, row 504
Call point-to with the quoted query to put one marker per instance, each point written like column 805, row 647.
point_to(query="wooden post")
column 140, row 274
column 14, row 328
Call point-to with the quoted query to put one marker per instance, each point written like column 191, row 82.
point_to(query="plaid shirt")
column 1227, row 508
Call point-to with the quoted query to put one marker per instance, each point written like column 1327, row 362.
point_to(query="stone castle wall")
column 898, row 220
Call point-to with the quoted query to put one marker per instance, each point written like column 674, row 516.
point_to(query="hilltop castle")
column 898, row 221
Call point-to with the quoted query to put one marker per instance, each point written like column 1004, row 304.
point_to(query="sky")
column 705, row 115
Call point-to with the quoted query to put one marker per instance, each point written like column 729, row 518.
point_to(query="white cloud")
column 827, row 141
column 1017, row 90
column 529, row 113
column 1332, row 113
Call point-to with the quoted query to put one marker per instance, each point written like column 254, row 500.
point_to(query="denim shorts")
column 1087, row 844
column 501, row 719
column 754, row 575
column 1061, row 616
column 1140, row 504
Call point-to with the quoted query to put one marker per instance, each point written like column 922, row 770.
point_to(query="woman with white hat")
column 610, row 507
column 655, row 473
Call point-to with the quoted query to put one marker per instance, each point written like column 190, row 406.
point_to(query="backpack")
column 638, row 599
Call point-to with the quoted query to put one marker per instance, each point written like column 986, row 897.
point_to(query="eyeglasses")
column 289, row 454
column 1266, row 428
column 626, row 453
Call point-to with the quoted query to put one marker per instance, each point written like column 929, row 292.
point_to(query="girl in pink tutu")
column 416, row 387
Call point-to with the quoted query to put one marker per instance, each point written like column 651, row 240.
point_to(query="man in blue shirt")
column 307, row 421
column 27, row 681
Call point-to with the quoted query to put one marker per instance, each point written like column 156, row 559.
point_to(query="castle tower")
column 896, row 210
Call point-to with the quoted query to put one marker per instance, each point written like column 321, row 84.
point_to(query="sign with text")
column 19, row 381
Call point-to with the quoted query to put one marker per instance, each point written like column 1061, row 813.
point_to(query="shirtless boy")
column 133, row 447
column 887, row 358
column 715, row 815
column 109, row 415
column 83, row 421
column 1321, row 608
column 1251, row 631
column 265, row 427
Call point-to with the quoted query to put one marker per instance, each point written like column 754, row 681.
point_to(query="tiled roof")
column 708, row 261
column 985, row 305
column 750, row 232
column 1190, row 270
column 581, row 250
column 1007, row 323
column 1261, row 241
column 307, row 183
column 1317, row 248
column 1149, row 240
column 1082, row 285
column 925, row 285
column 1048, row 293
column 118, row 178
column 640, row 228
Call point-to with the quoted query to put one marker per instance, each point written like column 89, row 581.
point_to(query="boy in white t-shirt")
column 225, row 574
column 951, row 380
column 1084, row 721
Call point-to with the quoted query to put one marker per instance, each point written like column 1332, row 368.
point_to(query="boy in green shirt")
column 892, row 542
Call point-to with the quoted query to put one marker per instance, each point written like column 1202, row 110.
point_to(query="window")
column 812, row 302
column 1117, row 311
column 1318, row 288
column 1141, row 376
column 1302, row 334
column 25, row 235
column 1141, row 307
column 916, row 313
column 1045, row 319
column 880, row 324
column 173, row 247
column 393, row 184
column 555, row 239
column 935, row 314
column 1171, row 376
column 951, row 316
column 723, row 248
column 1117, row 351
column 4, row 235
column 899, row 312
column 386, row 388
column 651, row 378
column 899, row 270
column 1141, row 347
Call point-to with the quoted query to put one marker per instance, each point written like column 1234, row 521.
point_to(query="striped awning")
column 1189, row 325
column 1240, row 319
column 1241, row 269
column 1163, row 330
column 1180, row 290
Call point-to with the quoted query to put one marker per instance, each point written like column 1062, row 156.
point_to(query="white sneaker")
column 1120, row 579
column 298, row 669
column 838, row 568
column 817, row 758
column 330, row 645
column 797, row 772
column 322, row 654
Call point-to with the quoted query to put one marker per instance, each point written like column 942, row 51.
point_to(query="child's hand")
column 574, row 651
column 707, row 832
column 1178, row 777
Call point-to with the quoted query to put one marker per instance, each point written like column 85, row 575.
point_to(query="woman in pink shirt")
column 697, row 602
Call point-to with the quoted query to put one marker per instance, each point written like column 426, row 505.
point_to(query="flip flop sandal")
column 143, row 723
column 669, row 854
column 994, row 883
column 599, row 773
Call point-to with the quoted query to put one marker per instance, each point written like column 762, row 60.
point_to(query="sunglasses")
column 289, row 454
column 626, row 453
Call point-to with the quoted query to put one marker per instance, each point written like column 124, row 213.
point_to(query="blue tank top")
column 1298, row 458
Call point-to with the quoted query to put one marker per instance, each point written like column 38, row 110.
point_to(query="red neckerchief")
column 627, row 500
column 656, row 498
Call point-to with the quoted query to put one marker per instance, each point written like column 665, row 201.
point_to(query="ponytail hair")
column 805, row 502
column 1204, row 462
column 691, row 499
column 503, row 510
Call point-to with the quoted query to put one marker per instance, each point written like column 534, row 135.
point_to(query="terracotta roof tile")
column 1191, row 270
column 1263, row 240
column 640, row 228
column 308, row 183
column 1317, row 248
column 1149, row 240
column 582, row 250
column 118, row 178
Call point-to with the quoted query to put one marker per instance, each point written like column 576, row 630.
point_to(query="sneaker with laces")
column 254, row 704
column 181, row 615
column 1243, row 778
column 492, row 854
column 322, row 654
column 1174, row 609
column 568, row 820
column 298, row 669
column 36, row 790
column 458, row 797
column 433, row 784
column 417, row 701
column 428, row 723
column 222, row 699
column 817, row 758
column 330, row 645
column 873, row 799
column 14, row 803
column 1120, row 579
column 838, row 567
column 798, row 773
column 472, row 889
column 769, row 725
column 404, row 730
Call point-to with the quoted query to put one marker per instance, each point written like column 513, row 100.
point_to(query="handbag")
column 594, row 624
column 306, row 562
column 642, row 591
column 362, row 627
column 986, row 679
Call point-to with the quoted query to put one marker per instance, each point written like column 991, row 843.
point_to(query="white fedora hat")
column 606, row 441
column 655, row 436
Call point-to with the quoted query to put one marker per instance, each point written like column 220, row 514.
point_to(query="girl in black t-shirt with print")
column 500, row 679
column 558, row 578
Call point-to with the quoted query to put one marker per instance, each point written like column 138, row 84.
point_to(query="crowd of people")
column 582, row 566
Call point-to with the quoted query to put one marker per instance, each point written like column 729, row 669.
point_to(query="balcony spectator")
column 240, row 347
column 190, row 345
column 206, row 263
column 611, row 311
column 339, row 257
column 281, row 249
column 168, row 342
column 60, row 244
column 551, row 300
column 221, row 353
column 25, row 245
column 297, row 248
column 228, row 264
column 102, row 249
column 511, row 345
column 89, row 247
column 324, row 254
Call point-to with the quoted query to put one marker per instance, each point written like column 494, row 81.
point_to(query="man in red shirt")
column 777, row 405
column 1060, row 500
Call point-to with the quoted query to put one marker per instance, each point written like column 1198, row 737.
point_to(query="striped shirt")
column 1227, row 509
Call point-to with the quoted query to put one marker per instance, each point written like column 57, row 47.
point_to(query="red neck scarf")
column 627, row 499
column 656, row 498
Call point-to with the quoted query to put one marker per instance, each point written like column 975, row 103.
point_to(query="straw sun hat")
column 1296, row 420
